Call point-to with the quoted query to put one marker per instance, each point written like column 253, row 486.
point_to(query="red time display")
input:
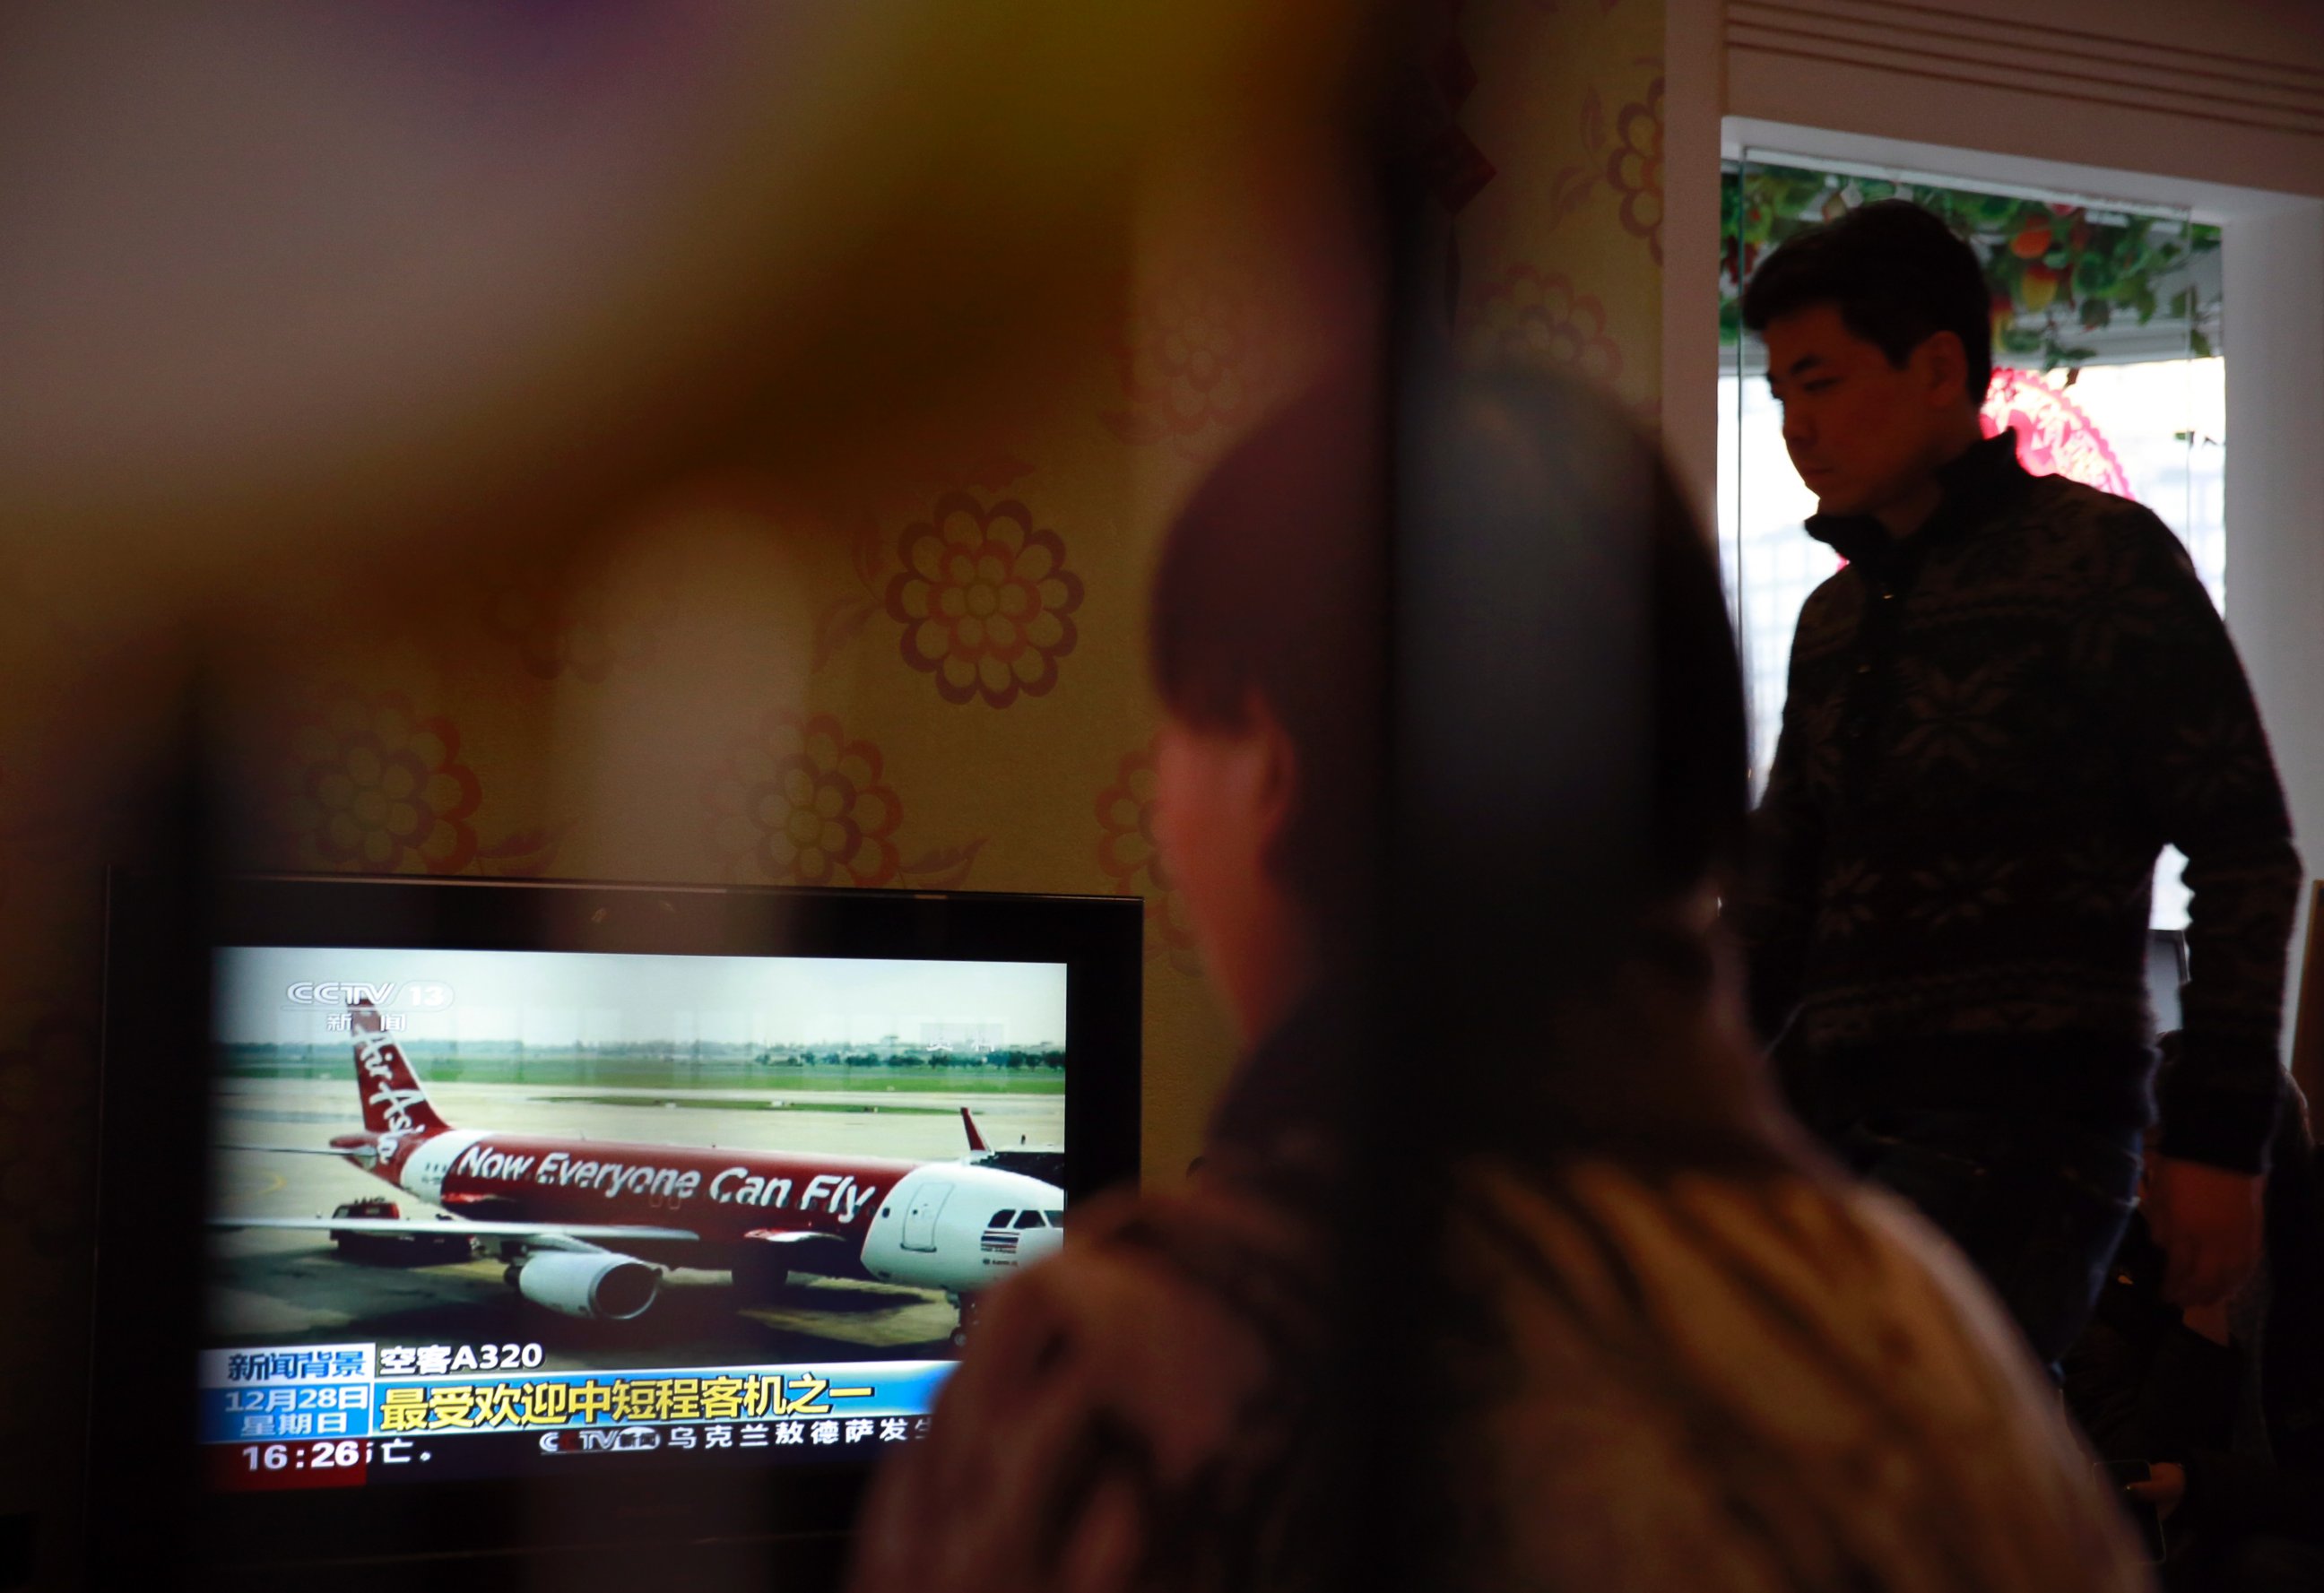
column 300, row 1463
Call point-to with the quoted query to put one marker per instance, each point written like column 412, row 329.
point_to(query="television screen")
column 482, row 1212
column 589, row 1205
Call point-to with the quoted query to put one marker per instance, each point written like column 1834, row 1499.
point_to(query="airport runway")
column 919, row 1124
column 291, row 1287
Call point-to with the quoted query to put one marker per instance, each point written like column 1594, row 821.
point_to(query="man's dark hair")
column 1897, row 275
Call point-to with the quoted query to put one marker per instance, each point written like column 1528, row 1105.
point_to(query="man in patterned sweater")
column 2011, row 697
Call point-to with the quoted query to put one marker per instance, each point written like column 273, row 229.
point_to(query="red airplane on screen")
column 587, row 1224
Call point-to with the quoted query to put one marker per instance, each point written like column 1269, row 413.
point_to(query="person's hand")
column 2207, row 1221
column 2164, row 1488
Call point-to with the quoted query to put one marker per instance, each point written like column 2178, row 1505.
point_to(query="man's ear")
column 1943, row 364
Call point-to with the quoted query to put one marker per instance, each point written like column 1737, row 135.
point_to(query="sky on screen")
column 560, row 999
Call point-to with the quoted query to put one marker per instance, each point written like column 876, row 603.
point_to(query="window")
column 2107, row 363
column 1002, row 1219
column 1030, row 1220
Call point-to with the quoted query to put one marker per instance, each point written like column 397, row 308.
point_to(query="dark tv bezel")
column 148, row 1513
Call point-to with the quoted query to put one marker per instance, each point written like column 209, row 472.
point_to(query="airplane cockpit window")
column 1056, row 1218
column 1002, row 1219
column 1029, row 1219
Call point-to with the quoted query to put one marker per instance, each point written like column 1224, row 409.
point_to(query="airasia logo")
column 426, row 994
column 383, row 1064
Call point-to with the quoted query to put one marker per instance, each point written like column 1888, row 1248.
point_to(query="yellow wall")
column 1561, row 253
column 936, row 681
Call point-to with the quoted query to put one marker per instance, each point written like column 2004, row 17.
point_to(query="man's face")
column 1862, row 433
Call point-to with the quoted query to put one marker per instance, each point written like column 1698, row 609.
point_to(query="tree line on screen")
column 911, row 1056
column 886, row 1055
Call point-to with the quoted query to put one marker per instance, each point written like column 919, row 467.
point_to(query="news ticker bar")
column 329, row 1393
column 321, row 1463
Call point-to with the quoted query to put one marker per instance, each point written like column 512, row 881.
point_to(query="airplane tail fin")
column 392, row 1098
column 975, row 1140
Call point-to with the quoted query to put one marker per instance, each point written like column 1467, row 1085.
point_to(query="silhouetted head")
column 1266, row 632
column 1879, row 336
column 1567, row 712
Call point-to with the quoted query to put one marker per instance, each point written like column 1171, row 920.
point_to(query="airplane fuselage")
column 915, row 1222
column 583, row 1222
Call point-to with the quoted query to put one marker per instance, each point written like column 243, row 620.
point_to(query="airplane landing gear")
column 760, row 1277
column 967, row 1321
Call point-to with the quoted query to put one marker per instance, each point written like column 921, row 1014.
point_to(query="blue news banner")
column 340, row 1414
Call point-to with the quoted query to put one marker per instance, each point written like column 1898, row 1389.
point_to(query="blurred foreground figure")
column 432, row 437
column 1536, row 1292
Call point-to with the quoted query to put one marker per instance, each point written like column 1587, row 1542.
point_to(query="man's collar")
column 1985, row 465
column 1977, row 475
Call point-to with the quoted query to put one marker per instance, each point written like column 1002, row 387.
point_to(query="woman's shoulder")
column 1722, row 1270
column 1689, row 1378
column 1767, row 1370
column 1147, row 1375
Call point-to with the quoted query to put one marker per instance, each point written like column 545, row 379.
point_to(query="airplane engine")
column 601, row 1287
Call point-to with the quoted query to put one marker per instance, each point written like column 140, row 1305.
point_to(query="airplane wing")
column 361, row 1153
column 793, row 1236
column 548, row 1236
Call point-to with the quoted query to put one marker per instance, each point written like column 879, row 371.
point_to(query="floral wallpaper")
column 798, row 803
column 924, row 672
column 1191, row 357
column 372, row 787
column 927, row 675
column 985, row 601
column 1561, row 252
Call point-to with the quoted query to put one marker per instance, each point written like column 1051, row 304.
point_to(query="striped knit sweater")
column 1993, row 725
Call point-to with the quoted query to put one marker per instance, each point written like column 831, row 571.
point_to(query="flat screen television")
column 448, row 1221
